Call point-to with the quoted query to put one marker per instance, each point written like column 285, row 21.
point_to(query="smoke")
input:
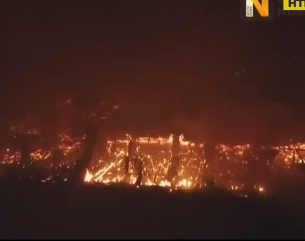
column 249, row 118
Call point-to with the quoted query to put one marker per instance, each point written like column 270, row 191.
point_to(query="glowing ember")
column 88, row 176
column 231, row 170
column 230, row 164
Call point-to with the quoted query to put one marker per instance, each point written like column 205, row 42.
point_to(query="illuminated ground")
column 35, row 210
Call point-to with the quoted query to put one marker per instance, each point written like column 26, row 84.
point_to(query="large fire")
column 232, row 169
column 231, row 165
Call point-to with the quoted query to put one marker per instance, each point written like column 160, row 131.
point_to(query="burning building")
column 103, row 156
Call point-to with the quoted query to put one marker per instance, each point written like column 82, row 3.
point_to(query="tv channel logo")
column 294, row 5
column 262, row 8
column 258, row 10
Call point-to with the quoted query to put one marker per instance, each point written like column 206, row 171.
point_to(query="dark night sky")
column 195, row 61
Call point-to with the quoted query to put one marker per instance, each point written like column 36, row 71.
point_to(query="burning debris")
column 168, row 162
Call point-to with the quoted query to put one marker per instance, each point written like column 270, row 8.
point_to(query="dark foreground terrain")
column 34, row 210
